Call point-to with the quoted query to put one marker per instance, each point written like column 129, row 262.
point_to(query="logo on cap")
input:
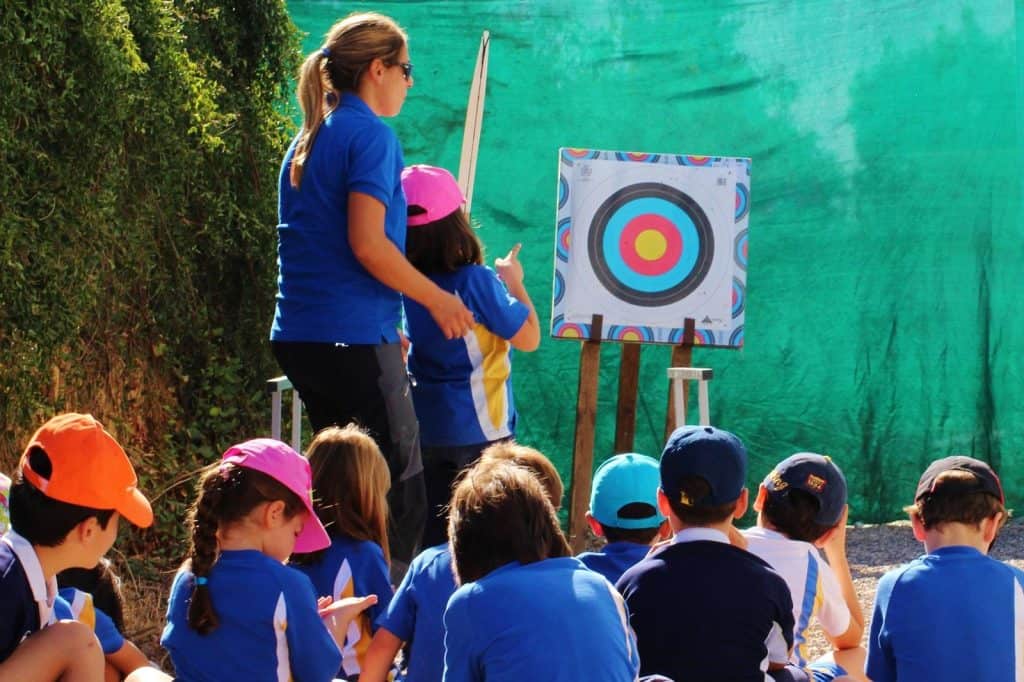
column 815, row 483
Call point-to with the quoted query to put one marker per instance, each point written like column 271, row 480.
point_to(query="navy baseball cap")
column 816, row 475
column 715, row 455
column 985, row 479
column 623, row 480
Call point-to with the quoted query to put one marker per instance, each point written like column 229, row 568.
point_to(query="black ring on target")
column 648, row 290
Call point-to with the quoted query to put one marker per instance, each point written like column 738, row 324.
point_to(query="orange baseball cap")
column 89, row 468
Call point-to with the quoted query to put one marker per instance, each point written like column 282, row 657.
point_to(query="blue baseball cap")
column 623, row 480
column 816, row 475
column 715, row 455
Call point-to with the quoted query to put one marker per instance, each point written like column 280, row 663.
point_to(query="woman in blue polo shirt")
column 342, row 268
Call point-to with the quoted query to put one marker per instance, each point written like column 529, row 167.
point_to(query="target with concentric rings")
column 650, row 244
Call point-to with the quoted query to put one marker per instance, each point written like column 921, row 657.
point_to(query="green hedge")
column 139, row 147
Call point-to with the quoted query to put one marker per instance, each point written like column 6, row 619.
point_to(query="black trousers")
column 368, row 385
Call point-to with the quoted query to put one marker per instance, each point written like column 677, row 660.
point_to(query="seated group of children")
column 282, row 583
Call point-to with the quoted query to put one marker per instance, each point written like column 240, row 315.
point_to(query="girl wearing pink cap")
column 462, row 387
column 236, row 610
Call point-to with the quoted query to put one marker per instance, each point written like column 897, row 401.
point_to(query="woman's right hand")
column 451, row 315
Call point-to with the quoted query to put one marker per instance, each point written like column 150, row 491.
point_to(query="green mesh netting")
column 885, row 230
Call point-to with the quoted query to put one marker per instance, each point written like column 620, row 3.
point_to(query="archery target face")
column 652, row 243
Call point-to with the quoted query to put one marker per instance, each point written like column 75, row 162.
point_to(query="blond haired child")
column 415, row 612
column 351, row 480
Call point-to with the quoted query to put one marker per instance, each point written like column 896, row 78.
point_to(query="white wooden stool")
column 702, row 375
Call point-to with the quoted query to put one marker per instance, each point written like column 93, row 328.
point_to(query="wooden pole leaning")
column 474, row 122
column 583, row 442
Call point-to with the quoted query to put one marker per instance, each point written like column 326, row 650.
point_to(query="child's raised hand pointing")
column 509, row 268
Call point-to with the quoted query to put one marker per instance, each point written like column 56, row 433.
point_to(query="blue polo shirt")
column 269, row 626
column 703, row 609
column 952, row 614
column 614, row 558
column 27, row 597
column 554, row 620
column 463, row 391
column 415, row 613
column 352, row 568
column 74, row 604
column 323, row 293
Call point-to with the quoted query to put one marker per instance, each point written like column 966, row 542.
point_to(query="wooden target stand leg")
column 583, row 442
column 625, row 416
column 682, row 356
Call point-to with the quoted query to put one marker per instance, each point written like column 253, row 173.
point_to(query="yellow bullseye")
column 651, row 245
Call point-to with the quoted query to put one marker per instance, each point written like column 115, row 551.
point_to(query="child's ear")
column 663, row 506
column 990, row 527
column 273, row 514
column 742, row 502
column 918, row 525
column 595, row 526
column 664, row 532
column 762, row 495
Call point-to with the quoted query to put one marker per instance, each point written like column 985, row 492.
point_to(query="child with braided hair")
column 236, row 610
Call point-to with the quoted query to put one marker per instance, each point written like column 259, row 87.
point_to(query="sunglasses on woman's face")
column 406, row 70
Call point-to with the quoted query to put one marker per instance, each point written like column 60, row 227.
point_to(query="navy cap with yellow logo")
column 816, row 475
column 715, row 455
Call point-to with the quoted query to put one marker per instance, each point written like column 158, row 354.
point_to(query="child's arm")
column 385, row 262
column 128, row 658
column 835, row 552
column 511, row 272
column 380, row 657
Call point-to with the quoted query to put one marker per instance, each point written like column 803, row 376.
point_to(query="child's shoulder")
column 344, row 546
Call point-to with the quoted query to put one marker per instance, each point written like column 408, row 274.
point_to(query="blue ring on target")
column 742, row 201
column 739, row 298
column 569, row 330
column 559, row 287
column 563, row 191
column 740, row 250
column 677, row 279
column 639, row 158
column 736, row 338
column 562, row 239
column 571, row 155
column 634, row 333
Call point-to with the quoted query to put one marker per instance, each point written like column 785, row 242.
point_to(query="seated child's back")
column 801, row 506
column 954, row 613
column 525, row 608
column 701, row 608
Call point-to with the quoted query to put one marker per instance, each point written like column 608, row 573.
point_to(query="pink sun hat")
column 290, row 469
column 433, row 189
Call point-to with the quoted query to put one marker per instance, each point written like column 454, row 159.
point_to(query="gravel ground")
column 872, row 550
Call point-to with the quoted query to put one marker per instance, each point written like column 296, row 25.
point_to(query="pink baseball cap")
column 432, row 188
column 290, row 469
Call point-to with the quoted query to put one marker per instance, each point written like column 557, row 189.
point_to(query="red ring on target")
column 630, row 249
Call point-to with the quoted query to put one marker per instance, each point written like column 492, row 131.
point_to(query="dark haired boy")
column 703, row 609
column 953, row 613
column 74, row 482
column 624, row 511
column 801, row 507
